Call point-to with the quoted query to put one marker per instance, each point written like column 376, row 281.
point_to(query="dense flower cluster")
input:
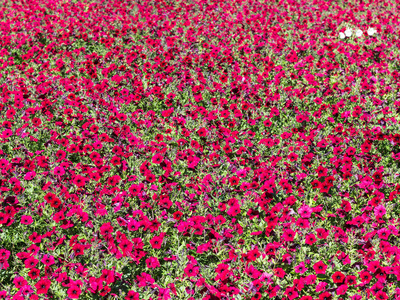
column 199, row 149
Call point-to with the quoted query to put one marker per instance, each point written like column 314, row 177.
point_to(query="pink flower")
column 47, row 260
column 59, row 171
column 19, row 282
column 191, row 270
column 321, row 286
column 26, row 220
column 157, row 241
column 366, row 182
column 300, row 268
column 132, row 295
column 288, row 235
column 152, row 262
column 301, row 176
column 157, row 159
column 7, row 133
column 380, row 210
column 42, row 286
column 31, row 262
column 241, row 173
column 305, row 211
column 342, row 289
column 310, row 279
column 30, row 175
column 384, row 233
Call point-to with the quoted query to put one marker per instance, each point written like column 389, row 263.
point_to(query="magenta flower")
column 157, row 159
column 74, row 292
column 30, row 175
column 380, row 210
column 191, row 270
column 26, row 220
column 42, row 286
column 300, row 268
column 305, row 211
column 59, row 171
column 48, row 260
column 152, row 262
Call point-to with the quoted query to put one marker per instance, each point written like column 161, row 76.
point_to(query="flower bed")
column 199, row 150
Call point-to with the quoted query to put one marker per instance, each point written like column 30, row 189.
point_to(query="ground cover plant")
column 199, row 149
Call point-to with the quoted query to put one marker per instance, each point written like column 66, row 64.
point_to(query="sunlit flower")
column 359, row 33
column 348, row 32
column 371, row 31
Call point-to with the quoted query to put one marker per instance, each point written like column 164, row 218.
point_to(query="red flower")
column 257, row 296
column 330, row 180
column 310, row 239
column 233, row 210
column 42, row 286
column 234, row 180
column 79, row 181
column 3, row 218
column 270, row 249
column 325, row 296
column 257, row 284
column 338, row 277
column 202, row 132
column 106, row 229
column 365, row 277
column 377, row 176
column 34, row 273
column 191, row 270
column 288, row 235
column 279, row 272
column 115, row 160
column 157, row 159
column 320, row 267
column 31, row 262
column 157, row 241
column 227, row 149
column 132, row 296
column 381, row 295
column 113, row 180
column 351, row 280
column 126, row 246
column 74, row 292
column 35, row 237
column 78, row 249
column 152, row 262
column 150, row 178
column 325, row 187
column 380, row 275
column 291, row 293
column 177, row 215
column 321, row 171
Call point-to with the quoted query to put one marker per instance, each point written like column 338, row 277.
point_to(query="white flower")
column 371, row 31
column 341, row 35
column 348, row 32
column 359, row 33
